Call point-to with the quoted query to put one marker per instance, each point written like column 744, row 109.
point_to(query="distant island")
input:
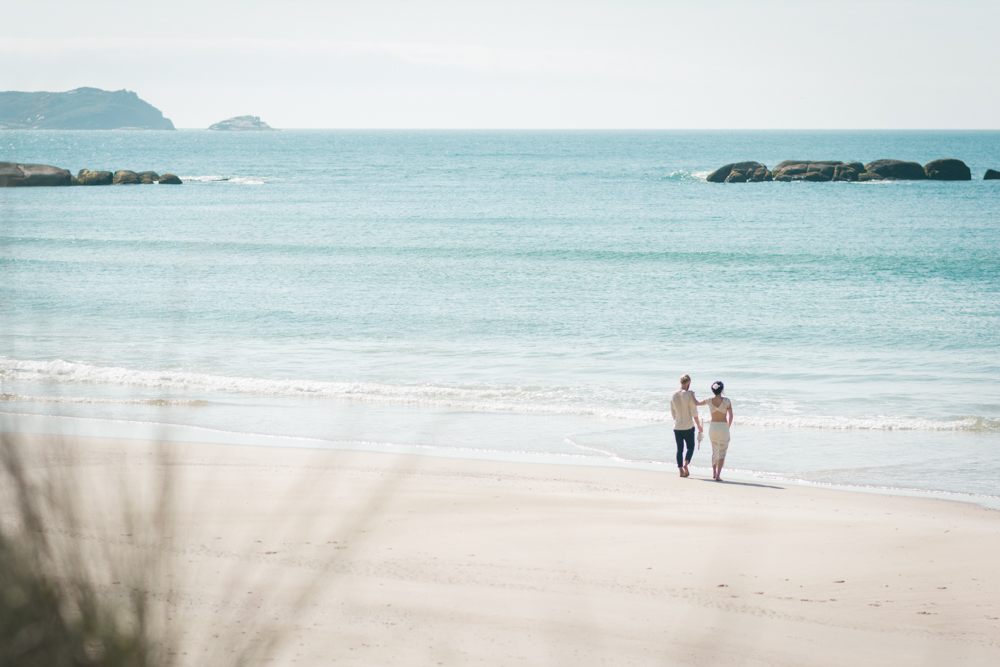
column 80, row 109
column 243, row 124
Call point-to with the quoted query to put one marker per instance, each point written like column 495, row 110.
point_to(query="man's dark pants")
column 681, row 437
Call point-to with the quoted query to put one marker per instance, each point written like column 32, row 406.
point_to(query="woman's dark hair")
column 717, row 388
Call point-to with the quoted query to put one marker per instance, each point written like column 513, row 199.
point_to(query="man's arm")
column 694, row 413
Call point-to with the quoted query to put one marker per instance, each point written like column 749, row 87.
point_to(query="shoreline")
column 460, row 561
column 182, row 433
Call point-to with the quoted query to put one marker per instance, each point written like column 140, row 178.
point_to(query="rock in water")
column 169, row 179
column 126, row 177
column 806, row 170
column 43, row 174
column 848, row 172
column 88, row 177
column 868, row 176
column 740, row 172
column 14, row 175
column 991, row 175
column 242, row 124
column 80, row 109
column 948, row 169
column 897, row 170
column 148, row 176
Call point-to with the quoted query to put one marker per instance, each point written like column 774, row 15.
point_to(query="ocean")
column 514, row 294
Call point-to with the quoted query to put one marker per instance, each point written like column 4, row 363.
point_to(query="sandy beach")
column 375, row 559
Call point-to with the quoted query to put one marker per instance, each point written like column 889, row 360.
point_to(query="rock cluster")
column 819, row 171
column 125, row 177
column 21, row 175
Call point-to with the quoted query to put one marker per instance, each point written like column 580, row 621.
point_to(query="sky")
column 707, row 64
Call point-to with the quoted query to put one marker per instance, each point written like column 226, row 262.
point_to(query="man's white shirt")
column 682, row 409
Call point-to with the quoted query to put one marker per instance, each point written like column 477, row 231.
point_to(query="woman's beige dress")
column 718, row 432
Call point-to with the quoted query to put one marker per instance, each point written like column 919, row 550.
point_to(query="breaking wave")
column 580, row 401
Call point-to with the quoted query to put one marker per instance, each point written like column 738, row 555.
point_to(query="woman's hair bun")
column 717, row 387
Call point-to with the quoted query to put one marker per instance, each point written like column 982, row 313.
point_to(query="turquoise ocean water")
column 511, row 292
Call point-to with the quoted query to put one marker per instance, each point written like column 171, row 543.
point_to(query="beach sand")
column 377, row 559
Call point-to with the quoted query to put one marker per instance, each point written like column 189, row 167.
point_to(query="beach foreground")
column 375, row 559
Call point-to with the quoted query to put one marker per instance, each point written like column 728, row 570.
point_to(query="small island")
column 243, row 124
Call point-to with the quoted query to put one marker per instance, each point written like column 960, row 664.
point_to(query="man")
column 683, row 408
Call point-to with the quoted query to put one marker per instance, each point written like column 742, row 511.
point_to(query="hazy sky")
column 538, row 64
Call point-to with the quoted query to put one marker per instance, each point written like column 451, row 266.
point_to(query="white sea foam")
column 873, row 423
column 235, row 180
column 555, row 400
column 97, row 400
column 686, row 176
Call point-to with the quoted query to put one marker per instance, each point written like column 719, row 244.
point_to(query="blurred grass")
column 89, row 562
column 55, row 610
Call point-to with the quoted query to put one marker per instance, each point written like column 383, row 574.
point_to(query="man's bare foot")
column 687, row 473
column 681, row 471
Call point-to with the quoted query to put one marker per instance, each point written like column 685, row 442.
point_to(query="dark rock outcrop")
column 897, row 170
column 126, row 177
column 848, row 172
column 242, row 124
column 80, row 109
column 26, row 175
column 806, row 170
column 88, row 177
column 991, row 175
column 818, row 171
column 947, row 169
column 14, row 175
column 740, row 172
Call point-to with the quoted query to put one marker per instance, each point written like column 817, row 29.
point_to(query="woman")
column 718, row 429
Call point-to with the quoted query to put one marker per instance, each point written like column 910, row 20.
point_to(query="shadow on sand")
column 726, row 481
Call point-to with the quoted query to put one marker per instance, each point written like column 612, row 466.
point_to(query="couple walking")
column 684, row 410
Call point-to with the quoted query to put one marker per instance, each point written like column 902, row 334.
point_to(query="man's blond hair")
column 685, row 379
